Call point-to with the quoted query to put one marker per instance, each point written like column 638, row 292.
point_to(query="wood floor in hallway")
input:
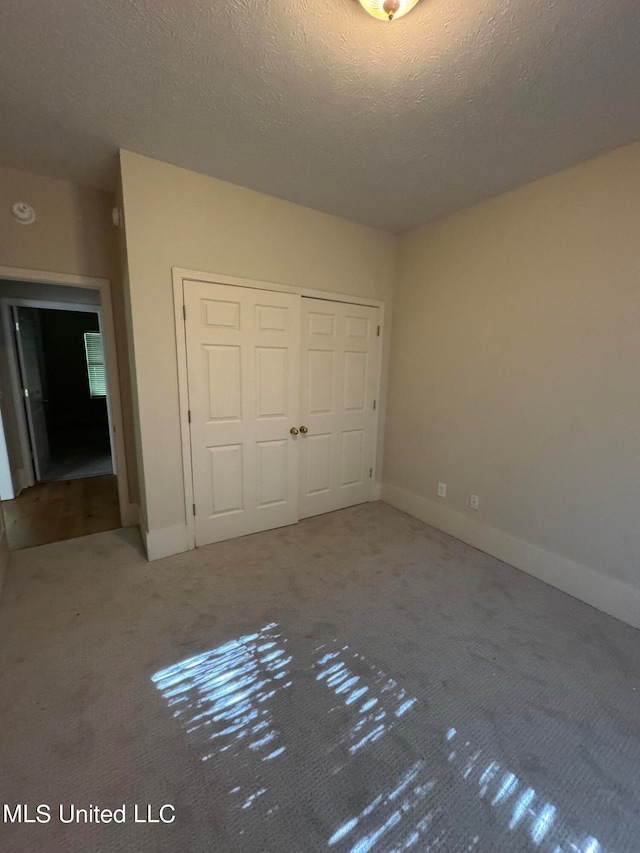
column 65, row 509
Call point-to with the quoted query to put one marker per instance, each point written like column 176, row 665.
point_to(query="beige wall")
column 515, row 373
column 177, row 218
column 72, row 234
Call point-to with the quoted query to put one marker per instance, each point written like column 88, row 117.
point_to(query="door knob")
column 293, row 431
column 304, row 430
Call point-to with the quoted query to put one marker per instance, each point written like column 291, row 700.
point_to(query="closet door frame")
column 180, row 276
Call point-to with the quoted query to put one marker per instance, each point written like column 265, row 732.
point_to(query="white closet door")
column 243, row 362
column 340, row 368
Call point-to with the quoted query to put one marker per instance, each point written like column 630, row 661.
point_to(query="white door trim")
column 128, row 511
column 26, row 475
column 183, row 401
column 86, row 307
column 179, row 276
column 182, row 274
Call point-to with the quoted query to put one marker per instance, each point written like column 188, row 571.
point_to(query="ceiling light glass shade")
column 387, row 10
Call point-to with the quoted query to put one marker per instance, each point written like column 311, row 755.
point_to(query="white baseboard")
column 376, row 491
column 605, row 593
column 166, row 541
column 130, row 515
column 23, row 480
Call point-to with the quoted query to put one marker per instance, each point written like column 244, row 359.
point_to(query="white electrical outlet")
column 442, row 490
column 474, row 502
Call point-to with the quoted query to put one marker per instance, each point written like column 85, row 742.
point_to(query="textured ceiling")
column 317, row 102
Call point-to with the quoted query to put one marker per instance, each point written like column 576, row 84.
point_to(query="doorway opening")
column 61, row 364
column 58, row 459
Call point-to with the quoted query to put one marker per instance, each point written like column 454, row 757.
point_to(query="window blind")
column 95, row 364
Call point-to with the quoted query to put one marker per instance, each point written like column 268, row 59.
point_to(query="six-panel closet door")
column 243, row 365
column 282, row 406
column 340, row 370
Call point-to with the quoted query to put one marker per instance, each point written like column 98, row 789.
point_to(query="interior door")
column 340, row 369
column 243, row 363
column 30, row 360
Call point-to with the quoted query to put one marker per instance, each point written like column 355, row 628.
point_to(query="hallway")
column 79, row 452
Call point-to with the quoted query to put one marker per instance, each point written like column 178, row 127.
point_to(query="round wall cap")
column 23, row 213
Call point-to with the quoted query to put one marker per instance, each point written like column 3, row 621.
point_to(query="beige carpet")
column 358, row 682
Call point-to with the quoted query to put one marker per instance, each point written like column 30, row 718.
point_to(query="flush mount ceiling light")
column 388, row 10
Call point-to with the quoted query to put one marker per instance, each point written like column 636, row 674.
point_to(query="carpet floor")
column 357, row 682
